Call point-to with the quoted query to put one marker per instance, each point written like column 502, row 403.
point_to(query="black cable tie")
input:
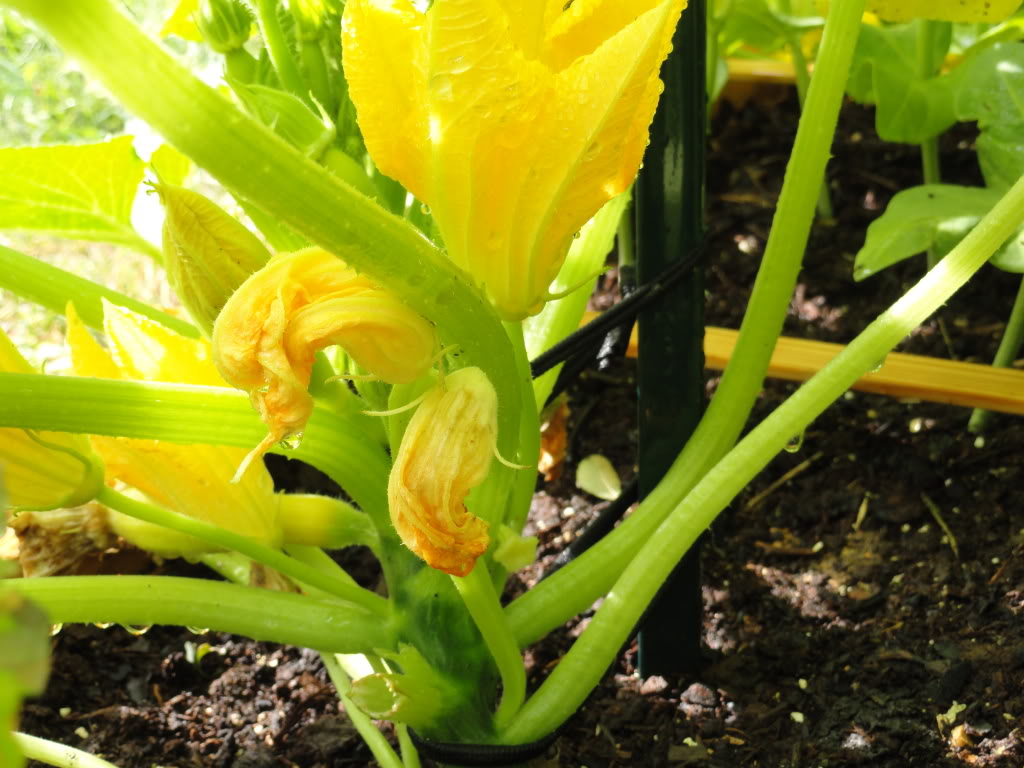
column 625, row 311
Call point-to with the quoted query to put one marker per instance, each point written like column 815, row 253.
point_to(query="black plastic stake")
column 669, row 197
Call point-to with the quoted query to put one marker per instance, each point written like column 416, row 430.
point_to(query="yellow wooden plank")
column 902, row 376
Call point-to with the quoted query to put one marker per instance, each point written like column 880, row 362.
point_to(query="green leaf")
column 909, row 108
column 596, row 475
column 171, row 166
column 83, row 191
column 24, row 643
column 992, row 93
column 935, row 216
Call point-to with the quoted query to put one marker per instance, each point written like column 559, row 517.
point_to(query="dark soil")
column 842, row 617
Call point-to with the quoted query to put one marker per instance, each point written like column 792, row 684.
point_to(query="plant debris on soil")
column 863, row 598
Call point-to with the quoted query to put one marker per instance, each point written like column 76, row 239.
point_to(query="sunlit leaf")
column 83, row 191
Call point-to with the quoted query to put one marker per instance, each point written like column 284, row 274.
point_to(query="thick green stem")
column 574, row 587
column 52, row 753
column 481, row 600
column 1009, row 346
column 183, row 413
column 262, row 168
column 333, row 584
column 374, row 739
column 803, row 81
column 260, row 614
column 583, row 666
column 50, row 287
column 276, row 42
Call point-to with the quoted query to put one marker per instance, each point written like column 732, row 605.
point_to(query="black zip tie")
column 483, row 755
column 625, row 311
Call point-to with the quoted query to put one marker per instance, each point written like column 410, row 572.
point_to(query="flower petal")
column 266, row 337
column 384, row 57
column 446, row 451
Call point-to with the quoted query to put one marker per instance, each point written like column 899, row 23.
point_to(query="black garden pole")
column 669, row 196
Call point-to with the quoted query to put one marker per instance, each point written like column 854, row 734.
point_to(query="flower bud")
column 44, row 470
column 266, row 337
column 322, row 521
column 414, row 697
column 224, row 24
column 446, row 451
column 207, row 253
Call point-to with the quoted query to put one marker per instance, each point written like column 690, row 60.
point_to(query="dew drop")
column 425, row 209
column 55, row 629
column 794, row 444
column 197, row 630
column 291, row 442
column 103, row 624
column 576, row 235
column 137, row 629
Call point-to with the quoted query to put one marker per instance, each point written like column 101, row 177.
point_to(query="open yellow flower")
column 514, row 120
column 446, row 451
column 44, row 470
column 194, row 480
column 268, row 333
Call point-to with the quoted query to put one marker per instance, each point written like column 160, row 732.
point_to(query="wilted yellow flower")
column 194, row 480
column 268, row 333
column 514, row 120
column 44, row 470
column 445, row 452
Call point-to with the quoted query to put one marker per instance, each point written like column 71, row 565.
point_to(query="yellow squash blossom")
column 446, row 451
column 514, row 120
column 44, row 470
column 268, row 333
column 194, row 480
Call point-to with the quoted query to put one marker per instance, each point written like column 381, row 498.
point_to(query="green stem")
column 260, row 614
column 410, row 755
column 524, row 481
column 926, row 68
column 481, row 600
column 575, row 587
column 262, row 168
column 52, row 753
column 374, row 739
column 560, row 318
column 803, row 81
column 343, row 588
column 316, row 70
column 50, row 287
column 277, row 47
column 1009, row 346
column 240, row 65
column 582, row 667
column 184, row 413
column 626, row 240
